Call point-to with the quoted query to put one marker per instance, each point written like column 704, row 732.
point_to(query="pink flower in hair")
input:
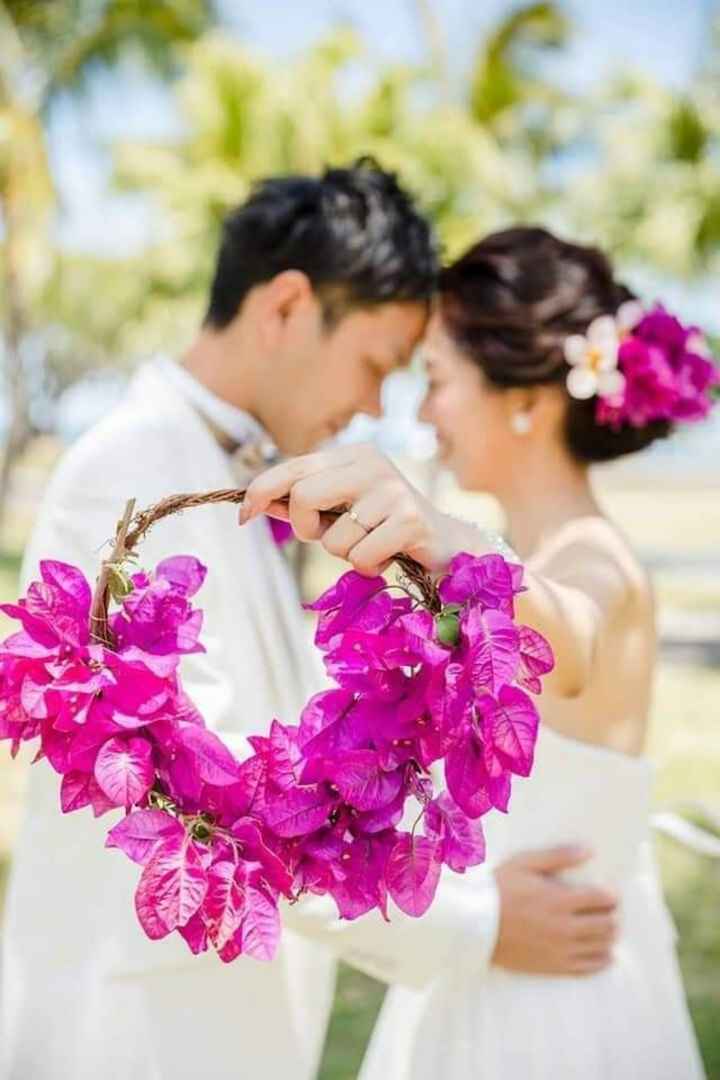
column 641, row 367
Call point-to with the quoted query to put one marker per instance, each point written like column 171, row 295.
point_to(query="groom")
column 322, row 287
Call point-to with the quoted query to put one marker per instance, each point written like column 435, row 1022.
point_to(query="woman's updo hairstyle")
column 512, row 300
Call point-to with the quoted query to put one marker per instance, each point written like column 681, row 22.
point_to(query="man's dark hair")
column 355, row 232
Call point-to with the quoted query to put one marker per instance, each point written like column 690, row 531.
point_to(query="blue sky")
column 666, row 39
column 667, row 36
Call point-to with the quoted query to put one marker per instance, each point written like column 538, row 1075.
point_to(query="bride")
column 539, row 365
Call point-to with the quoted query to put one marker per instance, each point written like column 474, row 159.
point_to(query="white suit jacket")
column 85, row 996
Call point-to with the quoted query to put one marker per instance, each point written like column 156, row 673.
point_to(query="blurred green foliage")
column 47, row 49
column 631, row 165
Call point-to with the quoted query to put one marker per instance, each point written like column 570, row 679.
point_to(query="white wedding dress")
column 629, row 1022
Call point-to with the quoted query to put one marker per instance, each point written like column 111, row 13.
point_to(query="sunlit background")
column 127, row 129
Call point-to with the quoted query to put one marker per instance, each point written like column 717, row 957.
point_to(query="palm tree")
column 45, row 49
column 245, row 118
column 505, row 74
column 650, row 190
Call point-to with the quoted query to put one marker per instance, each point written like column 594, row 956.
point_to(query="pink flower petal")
column 172, row 887
column 284, row 759
column 214, row 762
column 224, row 905
column 259, row 931
column 184, row 572
column 299, row 811
column 139, row 833
column 327, row 725
column 413, row 872
column 124, row 770
column 33, row 698
column 467, row 778
column 511, row 726
column 363, row 783
column 487, row 580
column 74, row 792
column 79, row 789
column 354, row 601
column 249, row 790
column 536, row 659
column 195, row 934
column 281, row 531
column 494, row 649
column 273, row 869
column 463, row 840
column 384, row 817
column 71, row 580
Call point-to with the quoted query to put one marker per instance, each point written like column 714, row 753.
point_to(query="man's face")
column 323, row 376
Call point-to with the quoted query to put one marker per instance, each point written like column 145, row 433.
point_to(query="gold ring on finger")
column 352, row 514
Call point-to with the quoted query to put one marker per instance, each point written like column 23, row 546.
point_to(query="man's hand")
column 548, row 927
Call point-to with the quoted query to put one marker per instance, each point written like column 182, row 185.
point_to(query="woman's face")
column 472, row 419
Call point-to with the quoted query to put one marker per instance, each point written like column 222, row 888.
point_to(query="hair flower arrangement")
column 642, row 366
column 594, row 357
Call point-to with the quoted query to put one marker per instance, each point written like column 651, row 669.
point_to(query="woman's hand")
column 381, row 513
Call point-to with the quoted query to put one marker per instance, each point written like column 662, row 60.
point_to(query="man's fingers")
column 597, row 930
column 590, row 963
column 589, row 898
column 553, row 860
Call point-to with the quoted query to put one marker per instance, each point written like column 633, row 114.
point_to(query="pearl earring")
column 521, row 423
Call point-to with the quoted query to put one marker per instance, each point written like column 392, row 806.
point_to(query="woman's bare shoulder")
column 593, row 544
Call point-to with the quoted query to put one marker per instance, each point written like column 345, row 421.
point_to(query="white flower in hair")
column 593, row 357
column 697, row 343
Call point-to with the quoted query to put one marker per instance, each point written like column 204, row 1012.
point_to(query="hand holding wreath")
column 425, row 673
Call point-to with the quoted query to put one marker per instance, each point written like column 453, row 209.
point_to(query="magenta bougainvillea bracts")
column 668, row 374
column 320, row 806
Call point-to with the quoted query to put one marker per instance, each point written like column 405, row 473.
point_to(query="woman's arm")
column 575, row 598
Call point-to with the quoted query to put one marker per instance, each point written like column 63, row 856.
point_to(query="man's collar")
column 231, row 427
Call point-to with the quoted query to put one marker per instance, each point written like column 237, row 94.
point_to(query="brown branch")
column 175, row 504
column 133, row 529
column 99, row 629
